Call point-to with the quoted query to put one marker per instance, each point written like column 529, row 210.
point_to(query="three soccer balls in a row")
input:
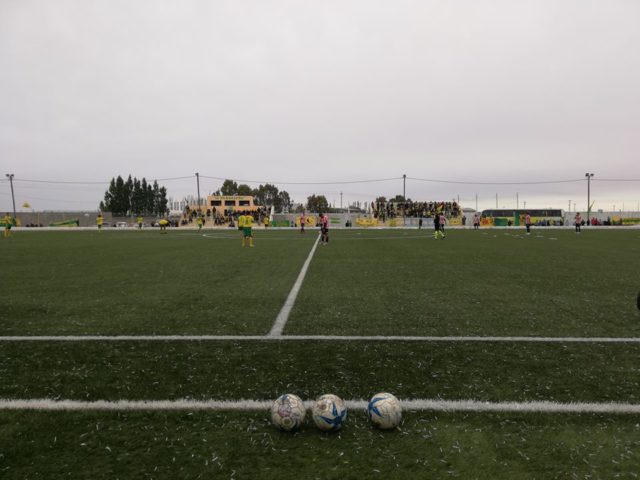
column 329, row 412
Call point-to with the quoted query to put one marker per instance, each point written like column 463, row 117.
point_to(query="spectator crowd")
column 391, row 209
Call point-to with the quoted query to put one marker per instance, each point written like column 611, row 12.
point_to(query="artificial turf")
column 130, row 282
column 157, row 445
column 264, row 370
column 492, row 282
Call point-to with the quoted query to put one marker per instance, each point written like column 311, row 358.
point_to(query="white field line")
column 45, row 404
column 283, row 316
column 326, row 338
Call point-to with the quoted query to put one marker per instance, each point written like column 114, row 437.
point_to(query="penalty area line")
column 294, row 338
column 283, row 316
column 45, row 404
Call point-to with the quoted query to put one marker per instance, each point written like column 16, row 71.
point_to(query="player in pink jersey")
column 324, row 229
column 527, row 223
column 578, row 221
column 442, row 220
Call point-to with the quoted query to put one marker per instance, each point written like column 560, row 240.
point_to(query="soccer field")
column 518, row 327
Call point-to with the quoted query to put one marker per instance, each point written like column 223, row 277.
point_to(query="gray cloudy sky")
column 475, row 90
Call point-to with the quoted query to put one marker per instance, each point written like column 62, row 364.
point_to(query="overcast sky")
column 297, row 91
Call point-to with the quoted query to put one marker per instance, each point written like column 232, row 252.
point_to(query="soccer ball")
column 384, row 411
column 288, row 412
column 329, row 412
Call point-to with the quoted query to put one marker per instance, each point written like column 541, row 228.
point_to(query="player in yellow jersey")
column 139, row 220
column 99, row 221
column 163, row 225
column 246, row 221
column 199, row 222
column 8, row 223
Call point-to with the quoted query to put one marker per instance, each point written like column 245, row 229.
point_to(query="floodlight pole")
column 198, row 182
column 404, row 187
column 340, row 200
column 517, row 201
column 404, row 196
column 13, row 198
column 589, row 176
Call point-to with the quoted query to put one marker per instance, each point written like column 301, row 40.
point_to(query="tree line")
column 269, row 195
column 265, row 195
column 134, row 197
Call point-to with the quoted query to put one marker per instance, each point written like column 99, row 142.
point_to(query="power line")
column 494, row 183
column 615, row 179
column 305, row 183
column 66, row 182
column 346, row 182
column 58, row 182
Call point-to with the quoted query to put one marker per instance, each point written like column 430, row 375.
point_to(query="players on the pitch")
column 578, row 222
column 8, row 223
column 476, row 221
column 245, row 224
column 99, row 221
column 527, row 223
column 439, row 221
column 324, row 229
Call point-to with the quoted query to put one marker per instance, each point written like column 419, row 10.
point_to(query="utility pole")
column 198, row 182
column 569, row 205
column 589, row 176
column 404, row 186
column 340, row 200
column 525, row 205
column 496, row 201
column 476, row 202
column 13, row 198
column 517, row 201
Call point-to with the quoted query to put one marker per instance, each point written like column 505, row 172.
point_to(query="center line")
column 283, row 316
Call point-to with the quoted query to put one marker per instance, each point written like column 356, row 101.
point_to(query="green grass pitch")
column 488, row 283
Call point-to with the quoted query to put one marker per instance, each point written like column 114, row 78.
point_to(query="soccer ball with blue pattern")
column 384, row 411
column 329, row 412
column 288, row 412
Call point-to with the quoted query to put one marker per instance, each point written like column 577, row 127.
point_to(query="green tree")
column 109, row 197
column 229, row 187
column 244, row 189
column 137, row 198
column 161, row 201
column 283, row 202
column 119, row 204
column 317, row 204
column 266, row 195
column 149, row 200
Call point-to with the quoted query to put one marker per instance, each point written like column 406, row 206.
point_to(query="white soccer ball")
column 329, row 412
column 384, row 411
column 288, row 412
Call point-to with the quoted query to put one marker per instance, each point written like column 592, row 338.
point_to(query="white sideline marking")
column 47, row 404
column 327, row 338
column 283, row 316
